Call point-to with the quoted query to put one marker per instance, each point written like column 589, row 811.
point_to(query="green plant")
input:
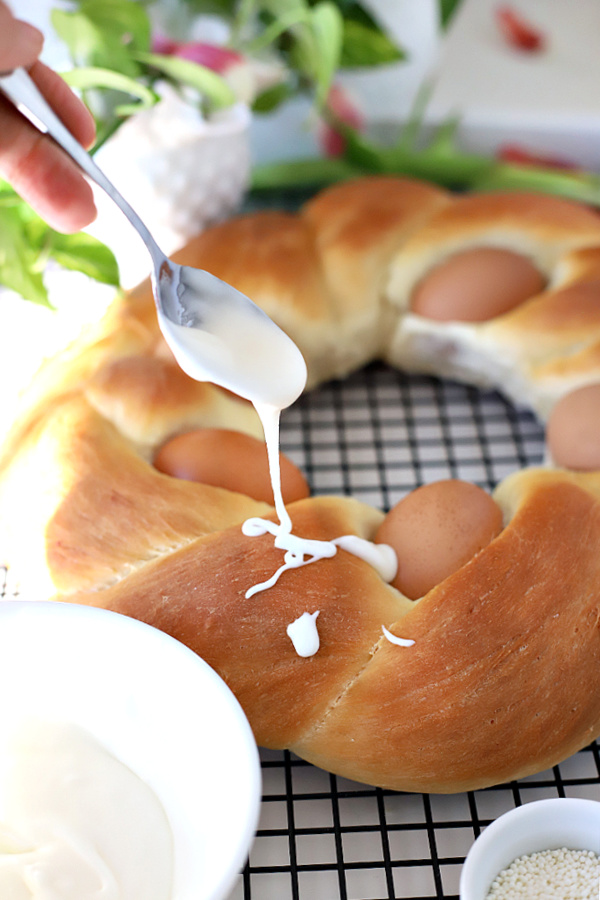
column 438, row 159
column 116, row 69
column 111, row 46
column 27, row 243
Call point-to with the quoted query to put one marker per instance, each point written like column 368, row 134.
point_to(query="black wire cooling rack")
column 376, row 436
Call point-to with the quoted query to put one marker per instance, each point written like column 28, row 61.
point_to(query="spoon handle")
column 21, row 90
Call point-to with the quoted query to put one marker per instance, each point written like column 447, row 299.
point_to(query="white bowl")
column 158, row 708
column 536, row 826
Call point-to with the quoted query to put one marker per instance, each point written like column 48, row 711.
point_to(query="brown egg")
column 476, row 285
column 435, row 530
column 231, row 460
column 573, row 430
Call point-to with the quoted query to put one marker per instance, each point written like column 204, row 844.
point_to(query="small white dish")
column 157, row 707
column 539, row 825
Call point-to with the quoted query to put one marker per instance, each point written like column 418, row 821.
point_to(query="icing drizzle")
column 299, row 551
column 394, row 639
column 236, row 346
column 303, row 551
column 304, row 635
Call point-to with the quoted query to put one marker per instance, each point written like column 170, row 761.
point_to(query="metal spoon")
column 185, row 297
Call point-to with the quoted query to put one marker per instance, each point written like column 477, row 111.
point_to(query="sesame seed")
column 549, row 875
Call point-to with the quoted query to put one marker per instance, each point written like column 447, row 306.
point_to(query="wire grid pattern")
column 376, row 436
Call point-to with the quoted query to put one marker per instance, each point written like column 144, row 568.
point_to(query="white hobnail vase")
column 180, row 171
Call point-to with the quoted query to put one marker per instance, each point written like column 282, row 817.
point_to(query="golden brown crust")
column 518, row 219
column 150, row 399
column 339, row 277
column 102, row 509
column 554, row 324
column 245, row 640
column 357, row 227
column 504, row 650
column 561, row 238
column 542, row 228
column 501, row 680
column 506, row 655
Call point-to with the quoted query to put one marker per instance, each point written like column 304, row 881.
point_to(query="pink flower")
column 162, row 44
column 342, row 108
column 246, row 77
column 219, row 59
column 514, row 153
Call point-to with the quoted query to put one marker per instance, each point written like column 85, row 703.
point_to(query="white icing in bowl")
column 159, row 709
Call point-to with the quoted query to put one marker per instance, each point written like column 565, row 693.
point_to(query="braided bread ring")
column 504, row 677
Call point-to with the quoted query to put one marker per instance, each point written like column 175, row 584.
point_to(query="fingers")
column 75, row 115
column 37, row 168
column 43, row 175
column 20, row 42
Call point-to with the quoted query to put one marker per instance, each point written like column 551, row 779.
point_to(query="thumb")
column 20, row 42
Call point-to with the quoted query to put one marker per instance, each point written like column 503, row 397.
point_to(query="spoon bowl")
column 216, row 333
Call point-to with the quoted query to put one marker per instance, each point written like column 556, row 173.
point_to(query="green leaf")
column 19, row 259
column 93, row 77
column 439, row 161
column 27, row 242
column 103, row 33
column 447, row 11
column 79, row 34
column 78, row 252
column 270, row 99
column 364, row 45
column 291, row 17
column 204, row 80
column 584, row 187
column 282, row 9
column 225, row 8
column 83, row 253
column 316, row 48
column 327, row 26
column 8, row 195
column 303, row 173
column 126, row 18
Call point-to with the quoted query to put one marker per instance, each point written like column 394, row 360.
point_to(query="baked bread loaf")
column 503, row 678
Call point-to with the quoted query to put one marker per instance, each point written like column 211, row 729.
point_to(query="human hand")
column 35, row 166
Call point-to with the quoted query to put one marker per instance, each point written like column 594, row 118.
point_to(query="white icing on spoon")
column 235, row 345
column 240, row 348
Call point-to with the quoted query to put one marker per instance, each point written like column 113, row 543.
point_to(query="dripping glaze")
column 241, row 352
